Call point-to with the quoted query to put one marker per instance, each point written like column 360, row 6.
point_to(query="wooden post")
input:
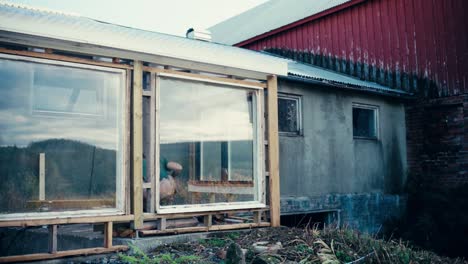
column 273, row 150
column 137, row 144
column 162, row 224
column 208, row 219
column 41, row 176
column 108, row 234
column 52, row 239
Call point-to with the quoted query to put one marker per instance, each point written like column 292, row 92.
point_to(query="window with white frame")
column 365, row 121
column 211, row 131
column 289, row 114
column 61, row 138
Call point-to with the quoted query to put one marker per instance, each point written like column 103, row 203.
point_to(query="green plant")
column 214, row 242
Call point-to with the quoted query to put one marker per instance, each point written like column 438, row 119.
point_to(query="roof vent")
column 199, row 34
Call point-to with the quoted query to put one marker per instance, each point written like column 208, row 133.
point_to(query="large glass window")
column 60, row 137
column 208, row 143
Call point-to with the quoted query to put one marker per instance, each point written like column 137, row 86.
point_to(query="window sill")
column 287, row 134
column 367, row 138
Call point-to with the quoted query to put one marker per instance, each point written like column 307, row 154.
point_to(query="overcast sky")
column 166, row 16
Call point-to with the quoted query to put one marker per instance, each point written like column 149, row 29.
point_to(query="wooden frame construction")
column 134, row 187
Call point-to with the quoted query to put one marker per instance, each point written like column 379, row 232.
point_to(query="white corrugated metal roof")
column 306, row 71
column 266, row 17
column 78, row 29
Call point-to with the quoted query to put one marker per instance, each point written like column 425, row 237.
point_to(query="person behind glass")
column 167, row 184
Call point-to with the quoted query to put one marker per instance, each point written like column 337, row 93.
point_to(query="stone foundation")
column 366, row 212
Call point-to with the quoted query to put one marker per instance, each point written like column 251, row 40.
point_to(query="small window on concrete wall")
column 289, row 114
column 365, row 121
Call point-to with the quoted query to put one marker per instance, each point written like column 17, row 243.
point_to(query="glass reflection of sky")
column 39, row 102
column 195, row 111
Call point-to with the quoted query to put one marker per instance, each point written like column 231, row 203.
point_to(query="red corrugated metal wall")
column 418, row 45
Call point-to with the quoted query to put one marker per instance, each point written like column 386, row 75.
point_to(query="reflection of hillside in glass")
column 209, row 129
column 73, row 116
column 74, row 171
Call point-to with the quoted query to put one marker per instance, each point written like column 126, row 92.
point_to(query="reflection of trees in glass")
column 74, row 170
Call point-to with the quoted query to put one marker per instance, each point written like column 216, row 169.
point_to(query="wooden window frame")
column 123, row 127
column 259, row 157
column 376, row 111
column 298, row 99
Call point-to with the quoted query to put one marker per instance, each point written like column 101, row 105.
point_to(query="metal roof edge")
column 349, row 87
column 79, row 31
column 299, row 22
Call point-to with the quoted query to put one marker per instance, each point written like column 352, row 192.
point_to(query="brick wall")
column 437, row 137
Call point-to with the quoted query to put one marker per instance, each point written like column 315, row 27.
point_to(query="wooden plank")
column 273, row 150
column 52, row 239
column 61, row 254
column 41, row 176
column 162, row 224
column 75, row 204
column 238, row 226
column 149, row 217
column 257, row 217
column 174, row 231
column 108, row 235
column 152, row 155
column 147, row 93
column 208, row 220
column 127, row 145
column 137, row 144
column 205, row 77
column 221, row 189
column 68, row 220
column 64, row 58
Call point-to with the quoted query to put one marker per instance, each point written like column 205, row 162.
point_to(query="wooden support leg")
column 162, row 224
column 257, row 217
column 52, row 239
column 208, row 220
column 108, row 235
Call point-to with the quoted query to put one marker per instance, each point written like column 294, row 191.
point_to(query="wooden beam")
column 137, row 143
column 75, row 204
column 273, row 150
column 68, row 220
column 84, row 48
column 64, row 58
column 52, row 239
column 206, row 77
column 149, row 217
column 238, row 226
column 61, row 254
column 108, row 234
column 152, row 157
column 42, row 176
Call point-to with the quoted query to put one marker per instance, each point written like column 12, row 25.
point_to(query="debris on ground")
column 288, row 245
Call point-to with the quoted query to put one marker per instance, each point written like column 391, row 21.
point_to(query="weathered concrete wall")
column 326, row 159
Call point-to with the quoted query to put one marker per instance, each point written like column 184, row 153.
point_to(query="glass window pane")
column 364, row 122
column 73, row 117
column 207, row 134
column 288, row 115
